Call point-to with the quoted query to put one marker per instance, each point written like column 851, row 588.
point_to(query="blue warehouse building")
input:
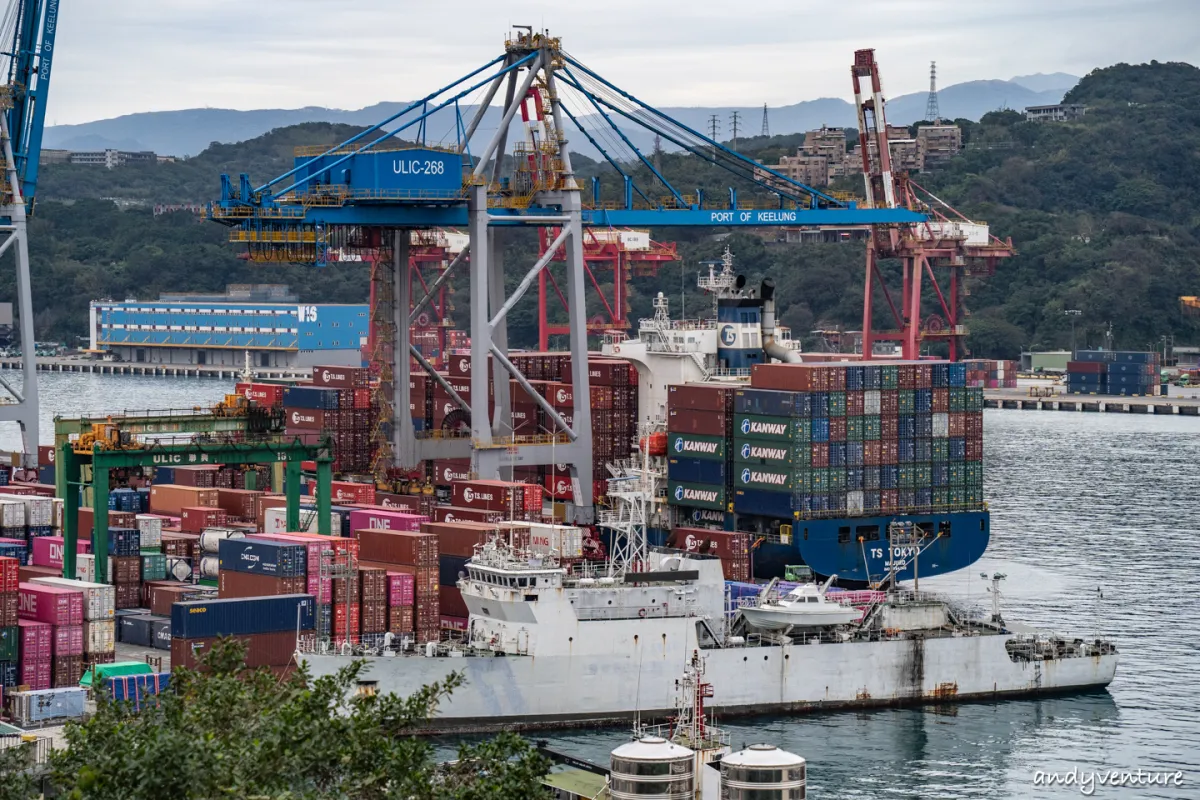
column 218, row 330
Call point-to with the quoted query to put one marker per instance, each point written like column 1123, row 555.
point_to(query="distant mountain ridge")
column 187, row 132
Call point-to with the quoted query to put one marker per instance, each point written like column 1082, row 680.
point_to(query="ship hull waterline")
column 530, row 693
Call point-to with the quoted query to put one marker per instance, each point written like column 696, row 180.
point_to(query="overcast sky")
column 123, row 56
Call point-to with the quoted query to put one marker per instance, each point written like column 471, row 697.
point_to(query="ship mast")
column 632, row 488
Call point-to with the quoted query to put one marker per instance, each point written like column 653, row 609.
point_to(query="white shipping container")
column 275, row 521
column 39, row 511
column 941, row 425
column 150, row 530
column 99, row 636
column 12, row 513
column 871, row 402
column 99, row 600
column 57, row 513
column 567, row 541
column 854, row 503
column 85, row 567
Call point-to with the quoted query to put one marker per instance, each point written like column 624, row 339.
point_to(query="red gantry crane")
column 947, row 241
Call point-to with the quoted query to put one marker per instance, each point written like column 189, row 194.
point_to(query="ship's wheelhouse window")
column 531, row 598
column 944, row 529
column 843, row 534
column 869, row 533
column 812, row 600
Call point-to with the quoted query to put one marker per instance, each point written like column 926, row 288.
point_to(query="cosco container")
column 696, row 445
column 242, row 616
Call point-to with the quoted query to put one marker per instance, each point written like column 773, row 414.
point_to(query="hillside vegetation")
column 1103, row 212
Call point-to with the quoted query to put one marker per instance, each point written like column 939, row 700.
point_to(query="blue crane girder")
column 32, row 55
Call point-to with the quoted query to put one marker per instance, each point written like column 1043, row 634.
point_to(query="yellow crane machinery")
column 234, row 405
column 106, row 436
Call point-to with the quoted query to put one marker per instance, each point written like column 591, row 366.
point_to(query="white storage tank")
column 652, row 767
column 762, row 772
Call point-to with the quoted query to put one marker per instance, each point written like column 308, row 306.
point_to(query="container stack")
column 267, row 626
column 99, row 628
column 338, row 404
column 699, row 466
column 1115, row 372
column 415, row 554
column 732, row 547
column 9, row 601
column 400, row 603
column 989, row 373
column 61, row 610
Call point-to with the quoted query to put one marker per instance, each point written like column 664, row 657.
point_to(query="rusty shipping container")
column 707, row 423
column 398, row 547
column 700, row 397
column 262, row 649
column 171, row 499
column 249, row 584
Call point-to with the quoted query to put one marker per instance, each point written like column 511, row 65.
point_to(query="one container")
column 37, row 640
column 99, row 600
column 56, row 605
column 236, row 617
column 67, row 640
column 386, row 520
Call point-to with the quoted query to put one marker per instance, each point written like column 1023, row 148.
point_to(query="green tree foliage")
column 244, row 734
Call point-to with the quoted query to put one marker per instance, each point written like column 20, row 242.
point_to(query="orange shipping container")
column 171, row 499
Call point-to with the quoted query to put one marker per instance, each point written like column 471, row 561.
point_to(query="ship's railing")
column 607, row 612
column 715, row 738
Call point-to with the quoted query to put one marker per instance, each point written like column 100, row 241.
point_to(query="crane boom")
column 28, row 79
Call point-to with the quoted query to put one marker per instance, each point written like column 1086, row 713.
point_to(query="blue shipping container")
column 200, row 619
column 263, row 557
column 137, row 688
column 777, row 505
column 8, row 673
column 767, row 402
column 124, row 542
column 956, row 375
column 47, row 704
column 310, row 397
column 695, row 470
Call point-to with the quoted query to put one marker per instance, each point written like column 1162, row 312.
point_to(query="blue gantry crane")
column 28, row 30
column 378, row 185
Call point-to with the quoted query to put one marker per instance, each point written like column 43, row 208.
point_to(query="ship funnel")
column 772, row 348
column 740, row 282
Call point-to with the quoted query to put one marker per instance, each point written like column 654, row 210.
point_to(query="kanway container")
column 767, row 453
column 696, row 445
column 171, row 499
column 47, row 704
column 37, row 640
column 758, row 476
column 99, row 636
column 263, row 557
column 99, row 600
column 460, row 538
column 237, row 617
column 457, row 514
column 386, row 520
column 249, row 584
column 398, row 547
column 56, row 605
column 696, row 495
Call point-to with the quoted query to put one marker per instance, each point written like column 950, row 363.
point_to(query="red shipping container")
column 265, row 394
column 400, row 619
column 889, row 452
column 340, row 618
column 974, row 449
column 171, row 499
column 819, row 454
column 37, row 641
column 408, row 502
column 116, row 519
column 1087, row 367
column 855, row 403
column 725, row 544
column 305, row 419
column 262, row 650
column 67, row 640
column 27, row 574
column 700, row 397
column 398, row 547
column 560, row 395
column 8, row 607
column 459, row 538
column 158, row 596
column 56, row 605
column 66, row 671
column 10, row 570
column 373, row 617
column 447, row 471
column 450, row 601
column 837, row 429
column 128, row 595
column 889, row 427
column 362, row 398
column 240, row 504
column 941, row 401
column 503, row 496
column 247, row 584
column 194, row 519
column 340, row 377
column 347, row 492
column 425, row 578
column 46, row 455
column 126, row 569
column 373, row 582
column 456, row 514
column 871, row 453
column 202, row 476
column 707, row 423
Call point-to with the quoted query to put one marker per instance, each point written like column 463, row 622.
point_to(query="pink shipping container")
column 48, row 550
column 35, row 674
column 10, row 574
column 37, row 643
column 54, row 604
column 400, row 589
column 385, row 520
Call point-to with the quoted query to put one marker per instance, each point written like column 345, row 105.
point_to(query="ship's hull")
column 833, row 547
column 564, row 691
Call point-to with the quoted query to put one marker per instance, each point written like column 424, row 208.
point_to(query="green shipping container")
column 696, row 495
column 10, row 643
column 837, row 404
column 941, row 499
column 695, row 445
column 854, row 429
column 908, row 401
column 957, row 399
column 907, row 476
column 774, row 454
column 958, row 475
column 748, row 476
column 872, row 428
column 154, row 567
column 837, row 479
column 974, row 398
column 974, row 473
column 889, row 377
column 772, row 429
column 940, row 450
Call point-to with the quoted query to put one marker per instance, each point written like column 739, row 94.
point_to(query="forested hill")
column 1104, row 212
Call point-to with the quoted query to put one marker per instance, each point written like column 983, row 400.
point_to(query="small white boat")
column 803, row 607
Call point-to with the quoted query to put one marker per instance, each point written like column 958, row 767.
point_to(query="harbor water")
column 1092, row 525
